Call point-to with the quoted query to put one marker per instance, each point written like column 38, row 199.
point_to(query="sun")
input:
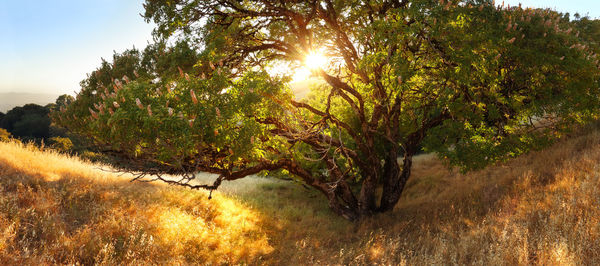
column 313, row 61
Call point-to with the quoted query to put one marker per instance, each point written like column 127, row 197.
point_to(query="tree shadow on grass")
column 444, row 215
column 92, row 217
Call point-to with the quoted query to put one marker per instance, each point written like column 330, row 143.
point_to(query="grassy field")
column 541, row 208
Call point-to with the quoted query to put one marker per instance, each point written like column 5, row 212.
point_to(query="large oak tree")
column 473, row 82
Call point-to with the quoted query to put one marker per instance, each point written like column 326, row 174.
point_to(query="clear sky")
column 48, row 46
column 590, row 8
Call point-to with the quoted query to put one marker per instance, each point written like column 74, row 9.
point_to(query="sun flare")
column 315, row 60
column 312, row 62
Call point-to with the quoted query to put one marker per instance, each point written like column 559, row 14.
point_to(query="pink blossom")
column 194, row 99
column 139, row 103
column 180, row 71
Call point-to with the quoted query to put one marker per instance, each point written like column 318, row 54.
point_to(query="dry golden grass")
column 541, row 208
column 59, row 210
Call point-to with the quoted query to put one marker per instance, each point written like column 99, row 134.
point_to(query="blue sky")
column 48, row 46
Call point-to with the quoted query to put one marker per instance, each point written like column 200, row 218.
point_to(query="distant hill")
column 12, row 99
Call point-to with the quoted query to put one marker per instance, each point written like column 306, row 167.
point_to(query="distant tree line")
column 32, row 122
column 29, row 122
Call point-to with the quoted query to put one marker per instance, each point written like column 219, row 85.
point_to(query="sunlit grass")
column 541, row 208
column 55, row 209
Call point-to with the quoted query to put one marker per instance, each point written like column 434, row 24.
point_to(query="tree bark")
column 367, row 201
column 396, row 180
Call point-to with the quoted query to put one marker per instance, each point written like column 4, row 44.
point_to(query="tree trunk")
column 395, row 181
column 347, row 196
column 367, row 201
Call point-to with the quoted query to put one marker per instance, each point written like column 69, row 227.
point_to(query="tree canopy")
column 473, row 82
column 28, row 122
column 62, row 102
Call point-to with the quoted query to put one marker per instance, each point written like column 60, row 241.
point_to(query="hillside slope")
column 55, row 209
column 541, row 208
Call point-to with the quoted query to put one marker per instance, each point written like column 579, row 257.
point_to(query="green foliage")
column 543, row 80
column 63, row 101
column 175, row 117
